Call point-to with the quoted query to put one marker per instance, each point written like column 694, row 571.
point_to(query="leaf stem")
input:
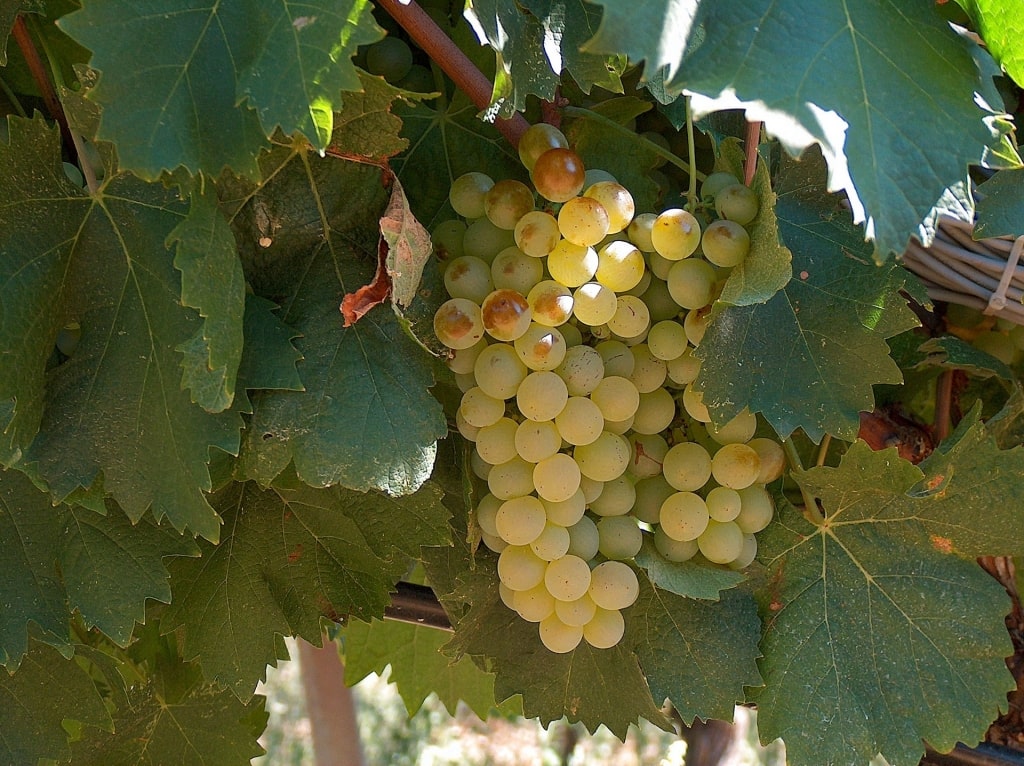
column 579, row 111
column 38, row 72
column 826, row 442
column 13, row 98
column 691, row 149
column 943, row 405
column 750, row 145
column 811, row 512
column 453, row 61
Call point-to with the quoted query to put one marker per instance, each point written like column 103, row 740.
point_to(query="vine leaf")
column 290, row 557
column 101, row 262
column 1001, row 208
column 366, row 125
column 880, row 629
column 811, row 354
column 202, row 87
column 685, row 578
column 9, row 11
column 268, row 356
column 999, row 23
column 366, row 419
column 418, row 667
column 698, row 654
column 47, row 690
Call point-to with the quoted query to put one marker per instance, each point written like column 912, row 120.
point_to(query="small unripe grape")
column 558, row 175
column 714, row 183
column 583, row 539
column 484, row 240
column 467, row 194
column 738, row 203
column 390, row 58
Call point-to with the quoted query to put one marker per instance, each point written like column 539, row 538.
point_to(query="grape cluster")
column 572, row 324
column 999, row 337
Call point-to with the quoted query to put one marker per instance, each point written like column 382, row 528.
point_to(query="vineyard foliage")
column 220, row 457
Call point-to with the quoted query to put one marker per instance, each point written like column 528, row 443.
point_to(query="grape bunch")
column 571, row 323
column 999, row 337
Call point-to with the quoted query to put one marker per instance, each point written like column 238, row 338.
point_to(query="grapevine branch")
column 35, row 66
column 750, row 145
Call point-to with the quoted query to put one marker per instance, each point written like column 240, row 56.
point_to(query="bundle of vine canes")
column 982, row 274
column 571, row 323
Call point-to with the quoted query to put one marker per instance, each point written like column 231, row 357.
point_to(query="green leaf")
column 418, row 668
column 698, row 654
column 213, row 284
column 811, row 354
column 534, row 42
column 268, row 356
column 101, row 262
column 686, row 578
column 366, row 126
column 881, row 631
column 9, row 11
column 366, row 419
column 1000, row 24
column 953, row 353
column 47, row 690
column 655, row 31
column 1001, row 206
column 290, row 557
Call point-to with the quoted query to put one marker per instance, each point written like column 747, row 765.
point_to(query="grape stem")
column 38, row 72
column 826, row 442
column 579, row 111
column 453, row 61
column 691, row 149
column 811, row 511
column 943, row 405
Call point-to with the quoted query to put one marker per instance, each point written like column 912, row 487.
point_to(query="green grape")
column 513, row 478
column 639, row 231
column 596, row 176
column 738, row 430
column 540, row 347
column 583, row 539
column 552, row 543
column 537, row 233
column 458, row 323
column 649, row 372
column 479, row 409
column 496, row 544
column 419, row 79
column 579, row 611
column 691, row 283
column 616, row 397
column 481, row 468
column 572, row 265
column 506, row 314
column 660, row 267
column 736, row 466
column 620, row 427
column 666, row 340
column 467, row 194
column 684, row 516
column 519, row 568
column 448, row 239
column 550, row 303
column 391, row 58
column 581, row 369
column 617, row 202
column 620, row 266
column 605, row 630
column 486, row 512
column 696, row 324
column 557, row 477
column 533, row 605
column 505, row 593
column 747, row 554
column 465, row 381
column 641, row 287
column 683, row 369
column 542, row 395
column 616, row 499
column 580, row 421
column 693, row 403
column 773, row 459
column 674, row 550
column 583, row 221
column 591, row 488
column 558, row 175
column 723, row 504
column 603, row 459
column 649, row 452
column 566, row 513
column 499, row 371
column 725, row 243
column 520, row 520
column 484, row 240
column 594, row 304
column 738, row 203
column 687, row 466
column 675, row 234
column 619, row 537
column 656, row 412
column 567, row 578
column 631, row 317
column 512, row 269
column 714, row 183
column 651, row 493
column 613, row 585
column 721, row 542
column 69, row 336
column 618, row 359
column 572, row 334
column 558, row 637
column 538, row 139
column 468, row 277
column 536, row 441
column 756, row 509
column 506, row 202
column 495, row 443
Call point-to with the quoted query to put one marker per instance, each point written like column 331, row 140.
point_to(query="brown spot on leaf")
column 295, row 554
column 942, row 544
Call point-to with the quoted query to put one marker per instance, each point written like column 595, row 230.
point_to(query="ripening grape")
column 557, row 477
column 513, row 478
column 552, row 543
column 486, row 511
column 723, row 504
column 649, row 372
column 618, row 359
column 505, row 593
column 558, row 637
column 506, row 202
column 756, row 509
column 613, row 585
column 675, row 234
column 659, row 266
column 747, row 554
column 447, row 238
column 620, row 266
column 550, row 303
column 581, row 369
column 467, row 194
column 566, row 513
column 541, row 395
column 579, row 611
column 655, row 413
column 481, row 468
column 484, row 240
column 725, row 243
column 567, row 578
column 468, row 277
column 691, row 283
column 583, row 221
column 558, row 175
column 520, row 568
column 591, row 488
column 583, row 539
column 572, row 265
column 479, row 409
column 617, row 202
column 641, row 287
column 649, row 452
column 738, row 430
column 512, row 269
column 606, row 629
column 506, row 314
column 617, row 398
column 596, row 176
column 736, row 466
column 714, row 183
column 572, row 334
column 538, row 139
column 687, row 466
column 684, row 516
column 651, row 493
column 674, row 550
column 666, row 340
column 495, row 443
column 540, row 347
column 535, row 441
column 620, row 427
column 631, row 317
column 580, row 421
column 520, row 520
column 721, row 542
column 639, row 231
column 594, row 304
column 498, row 370
column 696, row 324
column 683, row 369
column 619, row 537
column 603, row 459
column 773, row 459
column 458, row 323
column 616, row 499
column 738, row 203
column 537, row 233
column 533, row 605
column 693, row 403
